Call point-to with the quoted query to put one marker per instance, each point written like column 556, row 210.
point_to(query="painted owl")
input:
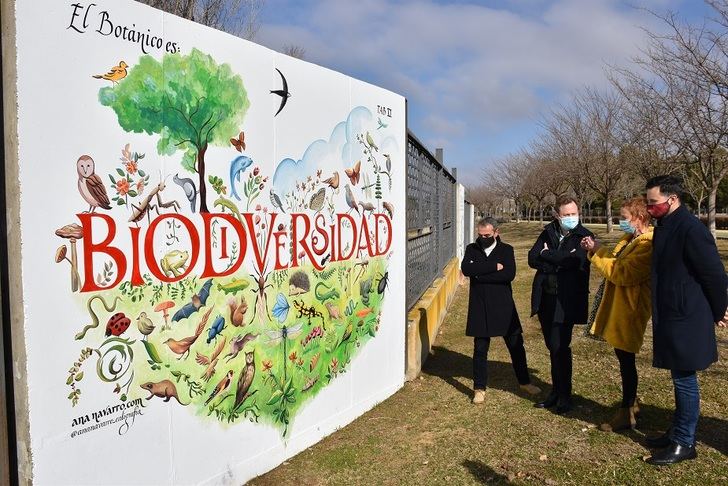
column 90, row 185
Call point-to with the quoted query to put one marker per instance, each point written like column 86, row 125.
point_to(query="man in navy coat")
column 688, row 300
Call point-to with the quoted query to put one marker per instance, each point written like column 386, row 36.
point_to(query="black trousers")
column 557, row 336
column 514, row 343
column 628, row 372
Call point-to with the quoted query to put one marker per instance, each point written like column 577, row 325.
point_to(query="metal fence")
column 430, row 218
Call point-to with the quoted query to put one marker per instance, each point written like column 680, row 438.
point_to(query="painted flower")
column 293, row 356
column 318, row 173
column 308, row 179
column 257, row 207
column 256, row 171
column 334, row 363
column 122, row 187
column 299, row 362
column 267, row 364
column 257, row 219
column 131, row 167
column 265, row 210
column 140, row 186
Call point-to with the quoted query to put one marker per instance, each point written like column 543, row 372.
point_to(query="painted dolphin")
column 237, row 167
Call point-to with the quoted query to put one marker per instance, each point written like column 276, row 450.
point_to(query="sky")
column 478, row 75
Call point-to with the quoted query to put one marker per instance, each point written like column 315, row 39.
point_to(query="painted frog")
column 173, row 262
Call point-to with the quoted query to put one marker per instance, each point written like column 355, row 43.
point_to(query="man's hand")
column 724, row 322
column 499, row 267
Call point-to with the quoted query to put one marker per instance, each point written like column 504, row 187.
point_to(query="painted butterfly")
column 354, row 173
column 239, row 143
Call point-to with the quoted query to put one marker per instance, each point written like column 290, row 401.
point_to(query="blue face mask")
column 625, row 226
column 569, row 222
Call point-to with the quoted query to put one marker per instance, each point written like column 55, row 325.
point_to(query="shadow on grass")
column 484, row 474
column 449, row 365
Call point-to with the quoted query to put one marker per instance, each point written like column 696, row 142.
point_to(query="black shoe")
column 548, row 403
column 563, row 407
column 659, row 442
column 672, row 454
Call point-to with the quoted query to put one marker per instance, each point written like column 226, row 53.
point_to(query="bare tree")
column 681, row 91
column 561, row 141
column 584, row 142
column 299, row 52
column 237, row 17
column 507, row 178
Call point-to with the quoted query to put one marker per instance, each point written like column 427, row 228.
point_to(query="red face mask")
column 658, row 211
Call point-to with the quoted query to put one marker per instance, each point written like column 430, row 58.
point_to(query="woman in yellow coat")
column 626, row 304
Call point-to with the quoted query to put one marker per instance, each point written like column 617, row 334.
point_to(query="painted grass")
column 430, row 433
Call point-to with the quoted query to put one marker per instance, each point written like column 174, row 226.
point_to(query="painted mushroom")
column 163, row 307
column 71, row 232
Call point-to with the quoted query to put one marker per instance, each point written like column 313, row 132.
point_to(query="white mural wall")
column 213, row 245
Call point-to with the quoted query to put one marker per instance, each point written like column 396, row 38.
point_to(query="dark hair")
column 564, row 200
column 668, row 184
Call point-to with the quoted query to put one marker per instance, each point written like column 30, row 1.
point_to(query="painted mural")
column 202, row 267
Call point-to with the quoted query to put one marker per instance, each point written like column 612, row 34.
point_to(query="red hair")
column 637, row 207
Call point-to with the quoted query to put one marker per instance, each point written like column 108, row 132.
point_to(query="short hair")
column 637, row 207
column 668, row 184
column 488, row 221
column 564, row 200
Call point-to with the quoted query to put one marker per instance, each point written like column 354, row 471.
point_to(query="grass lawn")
column 430, row 433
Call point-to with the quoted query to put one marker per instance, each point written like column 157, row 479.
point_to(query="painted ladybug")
column 118, row 323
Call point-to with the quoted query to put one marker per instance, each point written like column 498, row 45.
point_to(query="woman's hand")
column 590, row 244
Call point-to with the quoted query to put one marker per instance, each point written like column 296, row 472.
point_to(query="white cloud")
column 468, row 67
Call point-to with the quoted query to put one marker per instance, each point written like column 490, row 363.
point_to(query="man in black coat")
column 560, row 294
column 688, row 300
column 491, row 266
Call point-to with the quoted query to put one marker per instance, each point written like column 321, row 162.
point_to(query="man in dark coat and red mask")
column 688, row 301
column 491, row 266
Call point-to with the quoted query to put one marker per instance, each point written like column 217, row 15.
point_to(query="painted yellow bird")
column 116, row 74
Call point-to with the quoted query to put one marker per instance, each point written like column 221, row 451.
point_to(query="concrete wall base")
column 425, row 318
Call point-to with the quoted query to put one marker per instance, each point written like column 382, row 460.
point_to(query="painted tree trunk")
column 201, row 173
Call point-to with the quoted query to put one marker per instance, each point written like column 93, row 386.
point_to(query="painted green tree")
column 190, row 101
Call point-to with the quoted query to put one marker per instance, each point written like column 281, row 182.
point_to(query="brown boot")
column 623, row 419
column 636, row 408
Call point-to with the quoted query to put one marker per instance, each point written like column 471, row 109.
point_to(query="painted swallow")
column 283, row 93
